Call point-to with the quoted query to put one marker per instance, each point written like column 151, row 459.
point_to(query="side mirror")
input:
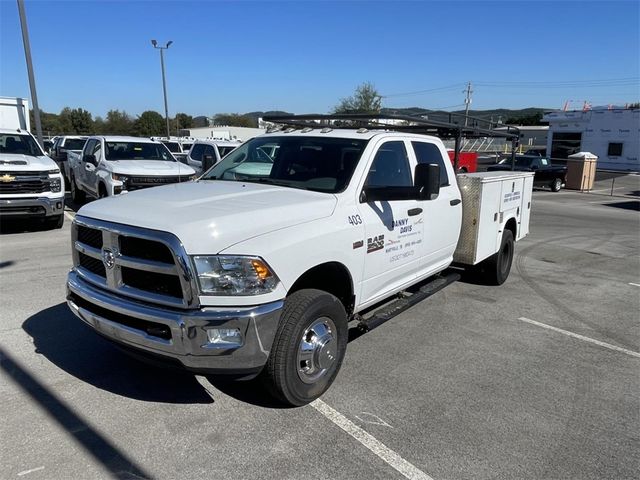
column 207, row 162
column 90, row 159
column 427, row 180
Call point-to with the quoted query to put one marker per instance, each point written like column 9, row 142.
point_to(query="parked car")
column 546, row 175
column 111, row 165
column 536, row 152
column 467, row 161
column 59, row 150
column 206, row 153
column 31, row 185
column 260, row 274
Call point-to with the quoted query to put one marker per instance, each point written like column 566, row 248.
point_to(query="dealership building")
column 611, row 133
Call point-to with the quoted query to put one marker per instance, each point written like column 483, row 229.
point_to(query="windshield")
column 224, row 151
column 74, row 143
column 173, row 147
column 137, row 151
column 520, row 161
column 312, row 163
column 19, row 144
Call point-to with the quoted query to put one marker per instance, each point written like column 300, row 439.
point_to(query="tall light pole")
column 32, row 81
column 164, row 82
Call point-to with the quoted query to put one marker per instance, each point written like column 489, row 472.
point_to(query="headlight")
column 227, row 275
column 119, row 178
column 54, row 184
column 54, row 171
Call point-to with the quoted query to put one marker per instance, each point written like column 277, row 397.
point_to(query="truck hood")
column 12, row 162
column 210, row 216
column 149, row 167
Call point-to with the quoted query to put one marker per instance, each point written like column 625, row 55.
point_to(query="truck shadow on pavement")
column 72, row 346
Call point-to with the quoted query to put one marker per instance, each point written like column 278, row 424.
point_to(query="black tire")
column 495, row 269
column 556, row 185
column 102, row 191
column 306, row 314
column 55, row 222
column 77, row 195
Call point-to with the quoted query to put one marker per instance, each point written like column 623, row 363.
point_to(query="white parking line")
column 69, row 215
column 581, row 337
column 372, row 443
column 634, row 284
column 30, row 471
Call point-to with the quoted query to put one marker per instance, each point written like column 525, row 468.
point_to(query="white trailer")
column 14, row 113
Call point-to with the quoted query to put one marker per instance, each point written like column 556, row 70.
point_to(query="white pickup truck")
column 259, row 274
column 113, row 165
column 31, row 185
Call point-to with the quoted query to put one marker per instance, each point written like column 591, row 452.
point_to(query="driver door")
column 393, row 229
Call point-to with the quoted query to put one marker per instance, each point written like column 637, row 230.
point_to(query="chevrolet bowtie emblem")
column 6, row 178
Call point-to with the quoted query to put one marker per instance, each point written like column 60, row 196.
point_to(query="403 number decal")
column 354, row 219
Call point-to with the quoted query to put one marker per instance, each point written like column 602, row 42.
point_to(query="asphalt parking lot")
column 469, row 384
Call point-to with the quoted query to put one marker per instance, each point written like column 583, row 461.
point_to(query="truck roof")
column 123, row 138
column 356, row 134
column 15, row 131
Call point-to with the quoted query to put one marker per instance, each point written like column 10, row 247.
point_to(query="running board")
column 406, row 301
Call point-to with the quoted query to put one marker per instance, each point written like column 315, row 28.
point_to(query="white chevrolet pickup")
column 249, row 271
column 31, row 185
column 112, row 165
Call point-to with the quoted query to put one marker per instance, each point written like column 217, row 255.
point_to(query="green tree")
column 76, row 121
column 118, row 123
column 49, row 121
column 535, row 119
column 180, row 121
column 365, row 99
column 150, row 124
column 234, row 120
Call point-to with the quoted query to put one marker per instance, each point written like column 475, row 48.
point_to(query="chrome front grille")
column 142, row 264
column 25, row 182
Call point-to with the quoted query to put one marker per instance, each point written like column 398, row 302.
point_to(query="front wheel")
column 56, row 221
column 556, row 185
column 308, row 348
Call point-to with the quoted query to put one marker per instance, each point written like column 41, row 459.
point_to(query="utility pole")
column 164, row 82
column 32, row 81
column 467, row 102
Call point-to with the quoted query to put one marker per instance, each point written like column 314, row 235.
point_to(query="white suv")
column 206, row 153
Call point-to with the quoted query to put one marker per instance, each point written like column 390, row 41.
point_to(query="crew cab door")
column 393, row 229
column 443, row 214
column 89, row 166
column 194, row 158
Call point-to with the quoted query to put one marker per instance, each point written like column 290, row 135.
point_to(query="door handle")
column 414, row 211
column 455, row 201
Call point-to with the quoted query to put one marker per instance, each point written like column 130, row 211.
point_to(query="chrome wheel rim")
column 317, row 350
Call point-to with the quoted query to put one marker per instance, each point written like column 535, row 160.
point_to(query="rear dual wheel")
column 495, row 269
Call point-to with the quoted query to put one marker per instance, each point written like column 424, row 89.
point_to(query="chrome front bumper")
column 178, row 335
column 31, row 207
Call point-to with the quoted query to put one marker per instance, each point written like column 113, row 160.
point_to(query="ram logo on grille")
column 109, row 258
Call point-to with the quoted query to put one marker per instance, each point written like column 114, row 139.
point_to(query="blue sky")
column 304, row 56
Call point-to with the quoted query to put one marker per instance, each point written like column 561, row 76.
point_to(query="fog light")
column 58, row 205
column 224, row 337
